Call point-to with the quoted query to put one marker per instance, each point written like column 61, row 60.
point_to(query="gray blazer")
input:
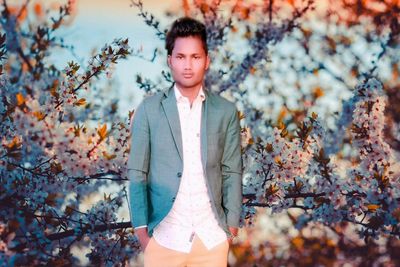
column 155, row 163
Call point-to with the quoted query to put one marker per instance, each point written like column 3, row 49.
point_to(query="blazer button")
column 179, row 174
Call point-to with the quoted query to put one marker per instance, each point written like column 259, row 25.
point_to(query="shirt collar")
column 180, row 97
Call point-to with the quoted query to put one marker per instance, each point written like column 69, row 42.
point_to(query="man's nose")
column 188, row 63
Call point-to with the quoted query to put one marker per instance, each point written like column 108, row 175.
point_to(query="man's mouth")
column 188, row 75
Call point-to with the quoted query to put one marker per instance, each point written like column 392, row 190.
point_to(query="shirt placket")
column 188, row 158
column 197, row 176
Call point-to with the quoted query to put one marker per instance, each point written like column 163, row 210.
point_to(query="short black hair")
column 185, row 27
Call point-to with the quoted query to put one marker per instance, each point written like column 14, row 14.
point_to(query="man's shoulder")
column 222, row 102
column 153, row 99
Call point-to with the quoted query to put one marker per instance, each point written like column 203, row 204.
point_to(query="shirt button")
column 179, row 174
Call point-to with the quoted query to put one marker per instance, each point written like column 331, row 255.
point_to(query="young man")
column 185, row 165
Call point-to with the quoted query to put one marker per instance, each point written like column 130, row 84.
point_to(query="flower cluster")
column 53, row 158
column 5, row 253
column 293, row 171
column 373, row 189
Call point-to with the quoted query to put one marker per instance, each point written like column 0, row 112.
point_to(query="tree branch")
column 97, row 228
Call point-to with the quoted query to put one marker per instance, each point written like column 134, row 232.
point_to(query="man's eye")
column 197, row 57
column 179, row 57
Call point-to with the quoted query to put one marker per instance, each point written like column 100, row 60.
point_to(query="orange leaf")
column 282, row 114
column 51, row 199
column 78, row 129
column 395, row 72
column 269, row 148
column 314, row 115
column 25, row 67
column 80, row 102
column 39, row 115
column 21, row 12
column 346, row 40
column 372, row 207
column 306, row 32
column 272, row 190
column 243, row 12
column 38, row 9
column 108, row 156
column 56, row 167
column 186, row 7
column 24, row 14
column 204, row 8
column 130, row 115
column 247, row 35
column 354, row 71
column 20, row 99
column 278, row 160
column 241, row 115
column 102, row 132
column 330, row 243
column 331, row 43
column 318, row 92
column 14, row 145
column 53, row 89
column 298, row 242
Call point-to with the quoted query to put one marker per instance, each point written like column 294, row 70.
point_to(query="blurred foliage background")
column 70, row 83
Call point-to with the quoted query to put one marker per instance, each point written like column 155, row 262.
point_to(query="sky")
column 97, row 22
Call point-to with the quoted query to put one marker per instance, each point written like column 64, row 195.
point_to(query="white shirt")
column 191, row 212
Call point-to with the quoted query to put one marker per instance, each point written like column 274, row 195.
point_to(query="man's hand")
column 234, row 232
column 143, row 236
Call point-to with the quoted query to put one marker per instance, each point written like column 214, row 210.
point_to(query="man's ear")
column 207, row 62
column 169, row 60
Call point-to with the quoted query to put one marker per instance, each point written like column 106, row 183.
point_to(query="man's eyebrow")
column 183, row 54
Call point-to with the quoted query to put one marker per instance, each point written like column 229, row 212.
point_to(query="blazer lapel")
column 172, row 114
column 203, row 128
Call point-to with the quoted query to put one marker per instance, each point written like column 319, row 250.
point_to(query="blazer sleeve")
column 231, row 166
column 138, row 166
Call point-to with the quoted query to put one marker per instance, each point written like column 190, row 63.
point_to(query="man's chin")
column 188, row 85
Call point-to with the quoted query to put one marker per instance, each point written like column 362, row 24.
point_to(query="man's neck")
column 190, row 93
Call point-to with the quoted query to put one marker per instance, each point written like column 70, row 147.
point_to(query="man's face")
column 188, row 62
